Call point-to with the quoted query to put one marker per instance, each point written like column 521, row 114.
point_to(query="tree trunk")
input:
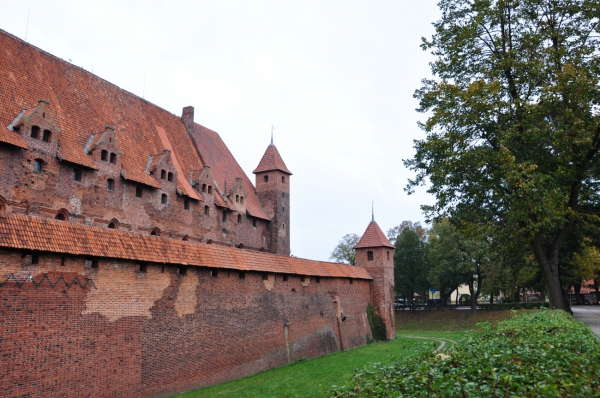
column 549, row 268
column 577, row 291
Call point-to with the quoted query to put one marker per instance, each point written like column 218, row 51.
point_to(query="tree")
column 456, row 259
column 344, row 251
column 410, row 264
column 514, row 125
column 392, row 233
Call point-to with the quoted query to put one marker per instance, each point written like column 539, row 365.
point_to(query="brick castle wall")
column 70, row 330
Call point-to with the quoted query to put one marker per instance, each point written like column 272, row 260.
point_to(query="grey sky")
column 335, row 78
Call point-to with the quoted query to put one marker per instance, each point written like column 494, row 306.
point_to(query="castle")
column 138, row 259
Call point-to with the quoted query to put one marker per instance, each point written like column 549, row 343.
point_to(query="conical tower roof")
column 373, row 237
column 272, row 160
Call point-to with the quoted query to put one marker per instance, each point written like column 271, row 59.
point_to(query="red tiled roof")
column 48, row 235
column 11, row 138
column 82, row 104
column 272, row 160
column 224, row 167
column 373, row 237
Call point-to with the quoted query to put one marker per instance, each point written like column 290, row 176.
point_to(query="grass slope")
column 311, row 378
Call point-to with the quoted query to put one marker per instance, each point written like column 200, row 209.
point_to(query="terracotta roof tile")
column 224, row 167
column 48, row 235
column 12, row 138
column 373, row 237
column 272, row 160
column 82, row 104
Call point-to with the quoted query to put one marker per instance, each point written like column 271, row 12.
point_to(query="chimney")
column 108, row 128
column 187, row 117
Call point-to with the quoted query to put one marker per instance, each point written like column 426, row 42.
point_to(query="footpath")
column 589, row 314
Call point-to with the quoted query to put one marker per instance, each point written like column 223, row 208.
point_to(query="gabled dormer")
column 237, row 195
column 104, row 149
column 206, row 184
column 38, row 129
column 163, row 170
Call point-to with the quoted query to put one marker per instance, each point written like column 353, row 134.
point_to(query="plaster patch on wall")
column 186, row 300
column 306, row 282
column 75, row 204
column 124, row 292
column 269, row 282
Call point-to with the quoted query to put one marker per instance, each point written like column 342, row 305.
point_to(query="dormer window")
column 104, row 155
column 38, row 165
column 47, row 135
column 209, row 189
column 110, row 185
column 237, row 198
column 203, row 187
column 35, row 131
column 113, row 157
column 163, row 174
column 241, row 199
column 163, row 199
column 170, row 177
column 76, row 175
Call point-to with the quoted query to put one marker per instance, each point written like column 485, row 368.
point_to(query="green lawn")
column 312, row 377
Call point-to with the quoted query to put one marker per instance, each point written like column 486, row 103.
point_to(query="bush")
column 513, row 306
column 377, row 325
column 543, row 354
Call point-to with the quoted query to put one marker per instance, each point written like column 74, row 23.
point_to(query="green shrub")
column 377, row 325
column 542, row 354
column 513, row 306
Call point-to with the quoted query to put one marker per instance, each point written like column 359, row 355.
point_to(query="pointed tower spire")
column 372, row 211
column 272, row 127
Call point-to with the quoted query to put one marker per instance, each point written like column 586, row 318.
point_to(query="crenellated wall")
column 70, row 330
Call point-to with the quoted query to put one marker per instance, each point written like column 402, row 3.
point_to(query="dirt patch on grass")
column 453, row 320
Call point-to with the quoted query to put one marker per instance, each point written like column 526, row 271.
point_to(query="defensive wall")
column 90, row 311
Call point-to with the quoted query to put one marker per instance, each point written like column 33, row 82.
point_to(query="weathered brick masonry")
column 136, row 257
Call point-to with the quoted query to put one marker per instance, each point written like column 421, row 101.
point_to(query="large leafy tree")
column 513, row 128
column 393, row 233
column 344, row 251
column 410, row 264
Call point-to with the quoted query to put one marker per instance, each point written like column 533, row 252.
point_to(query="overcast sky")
column 335, row 78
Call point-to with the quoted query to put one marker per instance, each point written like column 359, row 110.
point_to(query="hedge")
column 546, row 353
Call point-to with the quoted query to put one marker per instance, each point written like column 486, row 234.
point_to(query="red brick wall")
column 132, row 333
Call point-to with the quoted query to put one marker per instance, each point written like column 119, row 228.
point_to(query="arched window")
column 60, row 216
column 47, row 136
column 163, row 174
column 2, row 204
column 112, row 225
column 369, row 256
column 35, row 131
column 104, row 155
column 237, row 198
column 209, row 189
column 38, row 165
column 206, row 210
column 76, row 175
column 241, row 246
column 203, row 187
column 155, row 232
column 239, row 218
column 241, row 199
column 266, row 178
column 170, row 177
column 113, row 157
column 185, row 238
column 163, row 199
column 110, row 184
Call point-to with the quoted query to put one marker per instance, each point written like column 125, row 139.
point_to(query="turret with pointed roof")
column 273, row 190
column 375, row 253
